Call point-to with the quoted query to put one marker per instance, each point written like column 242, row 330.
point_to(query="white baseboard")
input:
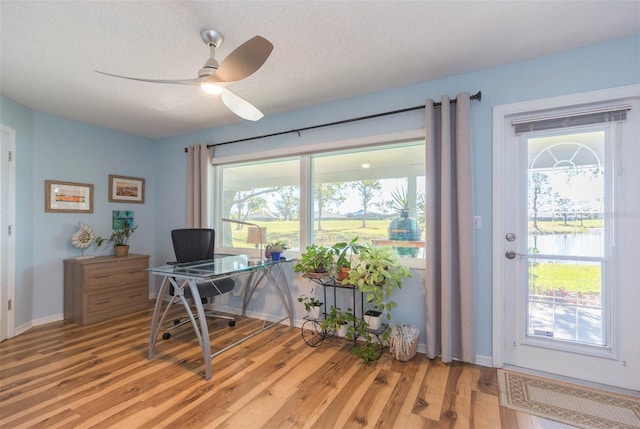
column 484, row 361
column 37, row 322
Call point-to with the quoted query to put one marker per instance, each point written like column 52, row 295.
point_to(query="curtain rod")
column 476, row 96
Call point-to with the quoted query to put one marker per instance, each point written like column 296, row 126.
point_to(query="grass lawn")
column 571, row 277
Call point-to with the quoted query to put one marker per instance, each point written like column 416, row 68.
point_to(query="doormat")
column 568, row 403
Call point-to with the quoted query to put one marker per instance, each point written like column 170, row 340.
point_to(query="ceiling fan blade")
column 240, row 107
column 244, row 61
column 195, row 82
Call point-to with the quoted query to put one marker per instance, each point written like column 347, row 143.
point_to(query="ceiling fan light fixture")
column 240, row 107
column 211, row 88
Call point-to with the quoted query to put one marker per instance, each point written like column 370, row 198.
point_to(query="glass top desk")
column 189, row 275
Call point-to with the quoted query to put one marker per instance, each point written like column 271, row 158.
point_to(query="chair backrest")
column 193, row 244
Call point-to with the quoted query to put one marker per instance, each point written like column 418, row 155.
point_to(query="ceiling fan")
column 213, row 77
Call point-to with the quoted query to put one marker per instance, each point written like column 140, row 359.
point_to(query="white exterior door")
column 566, row 238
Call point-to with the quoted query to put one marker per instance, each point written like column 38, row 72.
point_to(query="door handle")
column 510, row 254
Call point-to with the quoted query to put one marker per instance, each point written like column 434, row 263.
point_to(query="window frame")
column 304, row 152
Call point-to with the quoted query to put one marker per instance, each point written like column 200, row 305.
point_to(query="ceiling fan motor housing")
column 214, row 40
column 208, row 68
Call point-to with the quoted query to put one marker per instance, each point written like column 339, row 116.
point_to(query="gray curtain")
column 198, row 180
column 449, row 276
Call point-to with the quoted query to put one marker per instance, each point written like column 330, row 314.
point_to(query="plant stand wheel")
column 166, row 336
column 232, row 323
column 312, row 333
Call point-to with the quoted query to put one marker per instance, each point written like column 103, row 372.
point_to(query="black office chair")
column 191, row 245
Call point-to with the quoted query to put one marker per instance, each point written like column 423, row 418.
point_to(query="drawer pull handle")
column 103, row 302
column 101, row 276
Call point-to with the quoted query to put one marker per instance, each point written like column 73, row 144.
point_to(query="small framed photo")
column 68, row 197
column 124, row 189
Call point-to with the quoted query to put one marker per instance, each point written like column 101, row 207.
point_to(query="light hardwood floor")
column 62, row 375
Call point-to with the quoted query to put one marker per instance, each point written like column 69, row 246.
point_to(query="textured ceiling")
column 323, row 51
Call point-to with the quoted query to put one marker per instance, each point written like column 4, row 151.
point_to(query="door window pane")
column 566, row 194
column 565, row 301
column 566, row 236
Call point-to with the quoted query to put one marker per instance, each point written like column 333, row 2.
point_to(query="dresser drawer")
column 109, row 279
column 117, row 301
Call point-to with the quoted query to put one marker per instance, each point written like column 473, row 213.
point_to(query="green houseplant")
column 275, row 248
column 378, row 273
column 315, row 261
column 344, row 252
column 370, row 347
column 312, row 305
column 338, row 320
column 119, row 238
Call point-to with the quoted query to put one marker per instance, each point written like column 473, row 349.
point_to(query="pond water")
column 587, row 244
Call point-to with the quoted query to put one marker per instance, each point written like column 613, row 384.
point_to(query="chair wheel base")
column 166, row 336
column 176, row 321
column 232, row 323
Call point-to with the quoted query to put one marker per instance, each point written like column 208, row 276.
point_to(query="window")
column 374, row 193
column 363, row 193
column 265, row 193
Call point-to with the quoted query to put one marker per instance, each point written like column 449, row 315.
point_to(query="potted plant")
column 316, row 261
column 337, row 320
column 378, row 273
column 312, row 305
column 367, row 348
column 275, row 249
column 120, row 239
column 373, row 318
column 344, row 251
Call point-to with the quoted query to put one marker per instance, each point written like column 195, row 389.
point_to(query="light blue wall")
column 50, row 147
column 54, row 148
column 70, row 151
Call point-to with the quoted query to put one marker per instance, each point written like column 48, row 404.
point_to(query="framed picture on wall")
column 68, row 197
column 124, row 189
column 122, row 219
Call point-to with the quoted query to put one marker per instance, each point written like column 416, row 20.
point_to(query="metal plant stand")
column 314, row 334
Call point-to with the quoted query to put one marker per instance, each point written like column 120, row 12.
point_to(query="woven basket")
column 403, row 342
column 405, row 355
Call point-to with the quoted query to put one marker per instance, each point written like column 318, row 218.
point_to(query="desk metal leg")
column 155, row 323
column 280, row 283
column 283, row 289
column 203, row 334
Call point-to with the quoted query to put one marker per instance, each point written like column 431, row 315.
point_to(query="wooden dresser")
column 105, row 287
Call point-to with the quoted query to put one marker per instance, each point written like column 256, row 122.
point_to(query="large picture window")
column 374, row 193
